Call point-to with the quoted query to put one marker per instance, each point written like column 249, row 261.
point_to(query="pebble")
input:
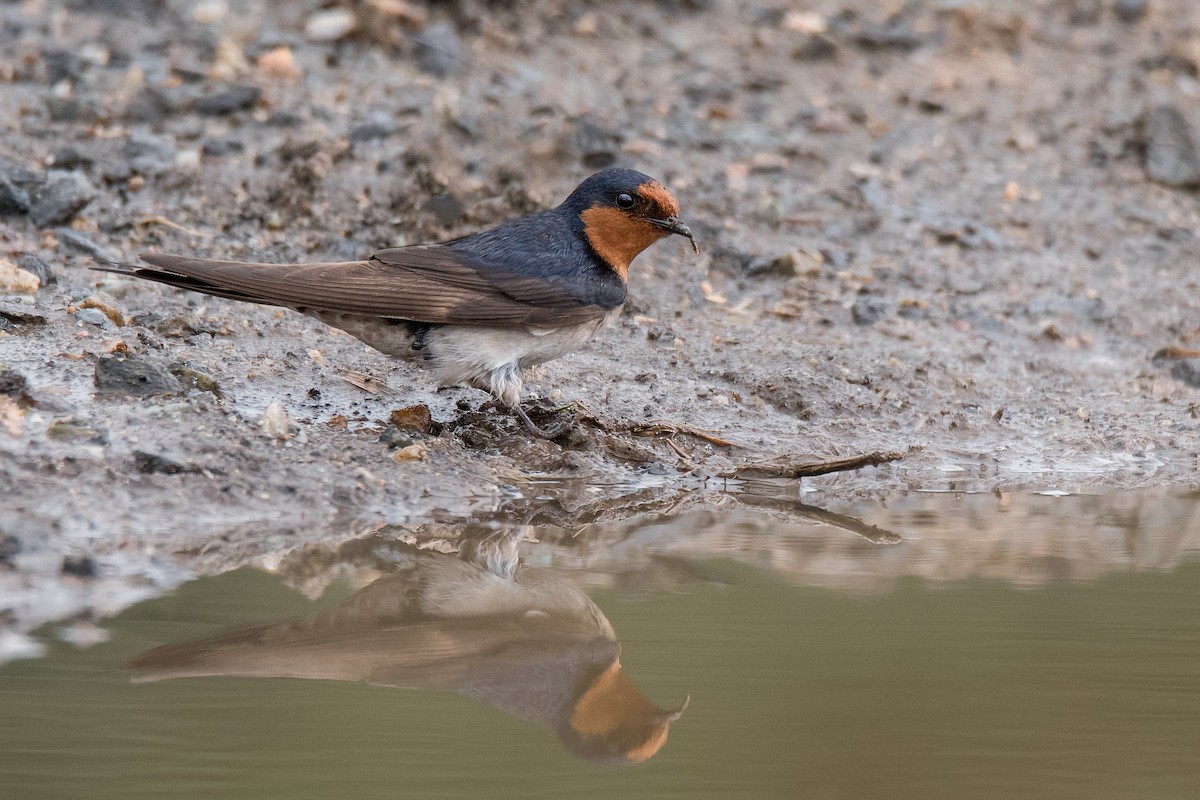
column 136, row 376
column 38, row 268
column 868, row 310
column 151, row 104
column 155, row 464
column 412, row 418
column 19, row 314
column 77, row 241
column 439, row 51
column 1171, row 157
column 330, row 25
column 63, row 196
column 1131, row 10
column 370, row 131
column 13, row 384
column 275, row 421
column 9, row 546
column 196, row 379
column 223, row 146
column 232, row 100
column 446, row 209
column 71, row 109
column 596, row 144
column 13, row 279
column 93, row 316
column 1188, row 371
column 79, row 566
column 149, row 154
column 16, row 183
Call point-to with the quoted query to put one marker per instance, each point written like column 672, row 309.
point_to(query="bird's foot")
column 552, row 432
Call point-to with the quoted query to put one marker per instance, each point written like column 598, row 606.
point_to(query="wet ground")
column 962, row 233
column 950, row 645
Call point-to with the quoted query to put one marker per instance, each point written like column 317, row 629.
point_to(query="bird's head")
column 623, row 212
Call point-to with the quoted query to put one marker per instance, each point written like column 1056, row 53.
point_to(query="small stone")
column 77, row 241
column 63, row 196
column 395, row 439
column 71, row 109
column 1188, row 371
column 149, row 154
column 15, row 280
column 330, row 25
column 79, row 566
column 816, row 47
column 230, row 101
column 13, row 384
column 596, row 144
column 1131, row 11
column 9, row 547
column 1171, row 156
column 136, row 376
column 439, row 51
column 446, row 209
column 16, row 183
column 783, row 265
column 104, row 303
column 93, row 316
column 151, row 104
column 868, row 310
column 19, row 314
column 224, row 146
column 280, row 65
column 196, row 379
column 412, row 418
column 370, row 131
column 275, row 421
column 155, row 464
column 414, row 452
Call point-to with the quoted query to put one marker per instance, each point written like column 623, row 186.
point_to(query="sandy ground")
column 959, row 230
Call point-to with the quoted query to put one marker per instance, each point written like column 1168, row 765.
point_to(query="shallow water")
column 943, row 647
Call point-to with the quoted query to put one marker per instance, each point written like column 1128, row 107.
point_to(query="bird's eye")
column 624, row 201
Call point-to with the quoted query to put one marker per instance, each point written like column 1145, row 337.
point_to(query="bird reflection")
column 519, row 639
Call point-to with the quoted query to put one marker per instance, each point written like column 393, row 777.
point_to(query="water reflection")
column 522, row 640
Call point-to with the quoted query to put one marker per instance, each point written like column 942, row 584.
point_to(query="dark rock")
column 79, row 566
column 63, row 196
column 868, row 310
column 396, row 439
column 782, row 265
column 237, row 98
column 136, row 376
column 13, row 198
column 154, row 464
column 1085, row 12
column 61, row 65
column 224, row 146
column 195, row 379
column 93, row 316
column 446, row 209
column 371, row 131
column 16, row 183
column 71, row 109
column 70, row 157
column 77, row 241
column 284, row 119
column 1171, row 157
column 1188, row 371
column 149, row 154
column 1131, row 10
column 9, row 547
column 151, row 104
column 596, row 144
column 895, row 34
column 439, row 51
column 14, row 385
column 19, row 314
column 816, row 47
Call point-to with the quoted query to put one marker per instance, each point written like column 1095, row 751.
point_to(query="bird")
column 525, row 641
column 479, row 310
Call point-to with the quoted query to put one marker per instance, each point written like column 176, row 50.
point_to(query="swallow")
column 525, row 641
column 479, row 310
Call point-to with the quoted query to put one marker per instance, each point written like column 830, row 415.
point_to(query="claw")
column 544, row 433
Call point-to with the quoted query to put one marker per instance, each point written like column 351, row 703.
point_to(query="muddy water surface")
column 947, row 646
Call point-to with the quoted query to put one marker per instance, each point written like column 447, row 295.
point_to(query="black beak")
column 673, row 225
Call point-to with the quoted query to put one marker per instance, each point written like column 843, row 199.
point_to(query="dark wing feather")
column 429, row 283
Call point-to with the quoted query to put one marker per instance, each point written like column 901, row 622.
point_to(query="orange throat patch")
column 618, row 238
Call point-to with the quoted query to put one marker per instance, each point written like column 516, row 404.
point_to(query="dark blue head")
column 623, row 212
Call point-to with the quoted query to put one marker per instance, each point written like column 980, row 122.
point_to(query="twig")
column 808, row 466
